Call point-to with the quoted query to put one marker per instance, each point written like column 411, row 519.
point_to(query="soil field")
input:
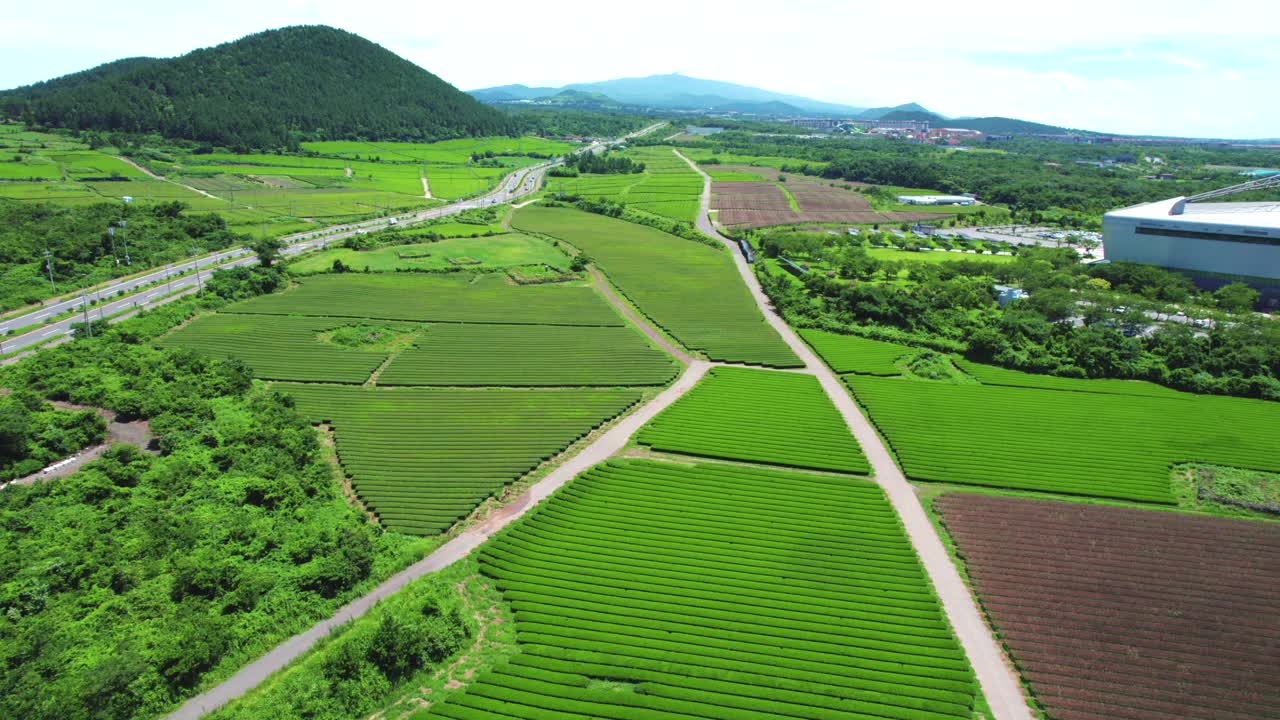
column 764, row 204
column 1127, row 614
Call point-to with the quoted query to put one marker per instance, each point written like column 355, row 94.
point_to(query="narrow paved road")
column 999, row 682
column 604, row 447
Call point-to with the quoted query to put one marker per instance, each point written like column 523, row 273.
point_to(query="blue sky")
column 1129, row 66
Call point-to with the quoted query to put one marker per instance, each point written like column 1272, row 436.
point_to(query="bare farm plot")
column 764, row 204
column 1127, row 614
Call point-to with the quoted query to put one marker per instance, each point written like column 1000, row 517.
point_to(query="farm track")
column 136, row 433
column 162, row 178
column 999, row 682
column 604, row 447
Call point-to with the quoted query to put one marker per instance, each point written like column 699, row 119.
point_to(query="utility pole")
column 48, row 263
column 125, row 241
column 111, row 232
column 123, row 224
column 199, row 282
column 84, row 307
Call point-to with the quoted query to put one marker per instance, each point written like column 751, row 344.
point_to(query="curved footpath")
column 999, row 682
column 604, row 447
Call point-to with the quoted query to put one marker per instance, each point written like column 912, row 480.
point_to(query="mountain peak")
column 263, row 90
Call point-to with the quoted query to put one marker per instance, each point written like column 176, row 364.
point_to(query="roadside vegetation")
column 139, row 579
column 1119, row 320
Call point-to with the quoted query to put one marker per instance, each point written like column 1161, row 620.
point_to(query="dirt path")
column 136, row 433
column 162, row 178
column 605, row 446
column 602, row 284
column 426, row 189
column 999, row 682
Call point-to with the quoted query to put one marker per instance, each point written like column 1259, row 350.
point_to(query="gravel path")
column 605, row 446
column 136, row 433
column 999, row 681
column 606, row 289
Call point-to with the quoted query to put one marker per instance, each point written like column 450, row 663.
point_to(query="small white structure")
column 936, row 200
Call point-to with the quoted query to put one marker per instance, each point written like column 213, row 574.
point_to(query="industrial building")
column 1229, row 240
column 936, row 200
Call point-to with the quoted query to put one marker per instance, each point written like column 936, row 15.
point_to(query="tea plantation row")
column 656, row 590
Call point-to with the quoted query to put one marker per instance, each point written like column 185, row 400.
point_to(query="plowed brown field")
column 763, row 204
column 1128, row 614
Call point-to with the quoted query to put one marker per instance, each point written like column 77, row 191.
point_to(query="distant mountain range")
column 676, row 92
column 263, row 90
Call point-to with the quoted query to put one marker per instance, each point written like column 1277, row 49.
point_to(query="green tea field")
column 529, row 355
column 1100, row 444
column 655, row 590
column 473, row 254
column 689, row 289
column 456, row 297
column 762, row 416
column 423, row 458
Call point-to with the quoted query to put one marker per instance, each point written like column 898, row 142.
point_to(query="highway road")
column 165, row 283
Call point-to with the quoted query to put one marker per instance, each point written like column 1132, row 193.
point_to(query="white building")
column 1237, row 239
column 936, row 200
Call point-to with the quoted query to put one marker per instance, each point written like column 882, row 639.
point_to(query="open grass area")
column 690, row 289
column 479, row 253
column 933, row 256
column 423, row 458
column 657, row 590
column 761, row 416
column 528, row 356
column 1100, row 444
column 456, row 297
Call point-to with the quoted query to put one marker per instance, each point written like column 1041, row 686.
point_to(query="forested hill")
column 266, row 90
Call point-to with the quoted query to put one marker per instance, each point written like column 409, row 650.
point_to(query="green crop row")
column 760, row 416
column 456, row 297
column 1084, row 443
column 529, row 355
column 422, row 458
column 855, row 354
column 278, row 348
column 655, row 590
column 689, row 289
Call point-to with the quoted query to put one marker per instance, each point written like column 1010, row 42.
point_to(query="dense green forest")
column 34, row 434
column 82, row 250
column 126, row 585
column 1079, row 321
column 597, row 164
column 1032, row 177
column 271, row 89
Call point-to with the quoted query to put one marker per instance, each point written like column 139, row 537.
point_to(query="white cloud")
column 1087, row 65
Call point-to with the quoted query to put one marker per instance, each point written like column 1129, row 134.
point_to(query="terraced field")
column 762, row 416
column 279, row 348
column 1127, row 614
column 456, row 297
column 1082, row 443
column 423, row 458
column 854, row 354
column 689, row 289
column 653, row 590
column 529, row 355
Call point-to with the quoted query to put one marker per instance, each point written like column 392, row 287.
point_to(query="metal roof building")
column 1237, row 239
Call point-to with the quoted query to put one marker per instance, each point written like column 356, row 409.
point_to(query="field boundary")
column 999, row 681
